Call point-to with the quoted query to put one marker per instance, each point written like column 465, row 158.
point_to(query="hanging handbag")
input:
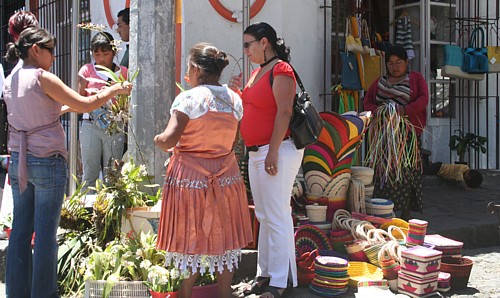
column 476, row 54
column 350, row 72
column 381, row 44
column 306, row 124
column 365, row 38
column 494, row 58
column 352, row 43
column 372, row 69
column 453, row 61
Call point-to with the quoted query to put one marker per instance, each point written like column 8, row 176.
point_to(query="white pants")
column 271, row 195
column 98, row 149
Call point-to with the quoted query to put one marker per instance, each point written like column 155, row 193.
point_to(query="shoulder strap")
column 297, row 78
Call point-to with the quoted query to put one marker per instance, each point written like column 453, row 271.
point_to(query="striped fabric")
column 399, row 92
column 403, row 35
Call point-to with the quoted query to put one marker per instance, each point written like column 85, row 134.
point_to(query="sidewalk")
column 451, row 212
column 461, row 214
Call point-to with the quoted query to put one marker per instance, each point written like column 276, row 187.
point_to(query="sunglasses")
column 248, row 43
column 50, row 49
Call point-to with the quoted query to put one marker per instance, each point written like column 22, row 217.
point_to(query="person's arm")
column 284, row 94
column 369, row 102
column 57, row 90
column 82, row 85
column 422, row 94
column 171, row 135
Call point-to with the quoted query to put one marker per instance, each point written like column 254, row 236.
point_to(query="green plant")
column 206, row 278
column 163, row 280
column 129, row 258
column 125, row 187
column 75, row 244
column 119, row 111
column 6, row 222
column 463, row 142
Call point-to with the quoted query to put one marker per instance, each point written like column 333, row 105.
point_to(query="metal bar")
column 245, row 24
column 74, row 84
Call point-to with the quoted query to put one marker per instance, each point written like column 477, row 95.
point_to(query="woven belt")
column 255, row 148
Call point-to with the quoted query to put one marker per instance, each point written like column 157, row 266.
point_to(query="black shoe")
column 257, row 286
column 275, row 291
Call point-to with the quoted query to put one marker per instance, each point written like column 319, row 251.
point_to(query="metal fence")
column 55, row 16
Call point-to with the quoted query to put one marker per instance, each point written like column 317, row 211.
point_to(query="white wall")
column 298, row 22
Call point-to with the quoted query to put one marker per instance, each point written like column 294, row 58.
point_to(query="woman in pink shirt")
column 38, row 168
column 99, row 147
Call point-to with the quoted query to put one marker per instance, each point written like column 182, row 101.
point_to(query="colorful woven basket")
column 459, row 268
column 362, row 271
column 309, row 238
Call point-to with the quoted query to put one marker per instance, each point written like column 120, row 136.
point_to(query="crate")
column 121, row 289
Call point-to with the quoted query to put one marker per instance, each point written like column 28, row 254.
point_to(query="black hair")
column 261, row 30
column 20, row 21
column 29, row 37
column 125, row 15
column 397, row 51
column 209, row 59
column 102, row 41
column 474, row 179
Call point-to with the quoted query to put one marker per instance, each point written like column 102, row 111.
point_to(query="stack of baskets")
column 330, row 276
column 380, row 207
column 317, row 217
column 365, row 175
column 449, row 247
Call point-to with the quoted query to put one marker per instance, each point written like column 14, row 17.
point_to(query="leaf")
column 108, row 72
column 180, row 86
column 132, row 78
column 100, row 81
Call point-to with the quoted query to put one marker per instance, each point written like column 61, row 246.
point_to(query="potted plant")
column 6, row 224
column 126, row 187
column 163, row 282
column 463, row 142
column 124, row 265
column 205, row 286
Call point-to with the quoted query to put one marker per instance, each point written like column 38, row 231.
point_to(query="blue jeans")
column 37, row 209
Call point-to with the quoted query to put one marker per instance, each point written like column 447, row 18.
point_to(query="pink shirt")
column 89, row 71
column 29, row 109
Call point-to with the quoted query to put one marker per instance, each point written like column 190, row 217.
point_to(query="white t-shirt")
column 2, row 79
column 201, row 99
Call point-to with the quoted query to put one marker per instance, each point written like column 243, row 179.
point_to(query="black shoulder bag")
column 305, row 124
column 4, row 127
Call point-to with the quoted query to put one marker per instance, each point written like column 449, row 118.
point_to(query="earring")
column 265, row 58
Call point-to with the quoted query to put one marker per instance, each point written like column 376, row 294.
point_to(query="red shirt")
column 259, row 107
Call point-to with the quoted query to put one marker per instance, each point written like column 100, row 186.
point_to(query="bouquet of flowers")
column 163, row 280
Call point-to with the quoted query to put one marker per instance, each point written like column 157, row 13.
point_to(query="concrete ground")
column 451, row 212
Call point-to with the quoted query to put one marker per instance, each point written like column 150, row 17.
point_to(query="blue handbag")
column 476, row 54
column 350, row 74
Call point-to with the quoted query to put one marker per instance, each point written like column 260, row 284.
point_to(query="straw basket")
column 459, row 268
column 316, row 213
column 333, row 204
column 362, row 271
column 363, row 173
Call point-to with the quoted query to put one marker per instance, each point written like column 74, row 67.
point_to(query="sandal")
column 276, row 294
column 259, row 283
